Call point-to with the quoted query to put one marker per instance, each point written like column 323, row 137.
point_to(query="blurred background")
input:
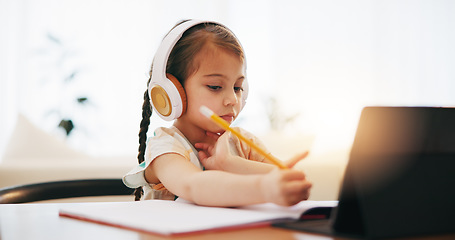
column 73, row 72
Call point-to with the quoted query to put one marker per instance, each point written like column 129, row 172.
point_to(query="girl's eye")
column 238, row 89
column 214, row 87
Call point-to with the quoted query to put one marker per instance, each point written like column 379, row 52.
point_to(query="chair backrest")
column 63, row 189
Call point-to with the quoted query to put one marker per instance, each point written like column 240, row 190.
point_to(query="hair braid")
column 145, row 122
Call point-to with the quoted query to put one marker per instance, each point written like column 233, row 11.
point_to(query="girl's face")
column 217, row 84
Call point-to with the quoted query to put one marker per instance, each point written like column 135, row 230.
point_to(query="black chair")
column 63, row 189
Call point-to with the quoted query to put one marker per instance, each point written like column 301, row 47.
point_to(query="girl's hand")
column 213, row 156
column 296, row 159
column 285, row 187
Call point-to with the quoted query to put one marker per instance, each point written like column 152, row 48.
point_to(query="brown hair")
column 181, row 64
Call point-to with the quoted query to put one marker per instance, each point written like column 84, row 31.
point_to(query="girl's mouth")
column 228, row 118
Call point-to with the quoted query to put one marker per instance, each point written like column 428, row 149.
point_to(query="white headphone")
column 167, row 95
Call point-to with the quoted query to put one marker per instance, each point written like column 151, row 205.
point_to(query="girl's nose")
column 230, row 98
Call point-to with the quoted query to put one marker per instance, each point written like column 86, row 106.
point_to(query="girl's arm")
column 234, row 164
column 218, row 188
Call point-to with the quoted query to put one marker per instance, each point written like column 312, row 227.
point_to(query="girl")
column 202, row 63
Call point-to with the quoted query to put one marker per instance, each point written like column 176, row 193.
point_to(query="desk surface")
column 41, row 221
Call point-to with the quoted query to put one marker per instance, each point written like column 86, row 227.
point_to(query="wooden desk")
column 41, row 221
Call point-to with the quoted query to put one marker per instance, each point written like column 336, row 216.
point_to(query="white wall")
column 323, row 60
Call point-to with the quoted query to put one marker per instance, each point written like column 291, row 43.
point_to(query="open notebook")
column 400, row 178
column 166, row 217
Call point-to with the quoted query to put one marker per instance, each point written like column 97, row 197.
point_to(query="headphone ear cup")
column 169, row 99
column 180, row 90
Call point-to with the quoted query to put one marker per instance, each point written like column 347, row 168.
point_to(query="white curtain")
column 321, row 61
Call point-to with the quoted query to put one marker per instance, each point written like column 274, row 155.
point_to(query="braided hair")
column 144, row 126
column 181, row 64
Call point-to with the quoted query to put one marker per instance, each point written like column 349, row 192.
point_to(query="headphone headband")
column 166, row 46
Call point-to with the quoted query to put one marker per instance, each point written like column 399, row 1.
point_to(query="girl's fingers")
column 202, row 146
column 293, row 161
column 293, row 175
column 297, row 191
column 202, row 155
column 215, row 136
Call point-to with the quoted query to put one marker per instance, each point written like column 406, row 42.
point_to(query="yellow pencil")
column 225, row 125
